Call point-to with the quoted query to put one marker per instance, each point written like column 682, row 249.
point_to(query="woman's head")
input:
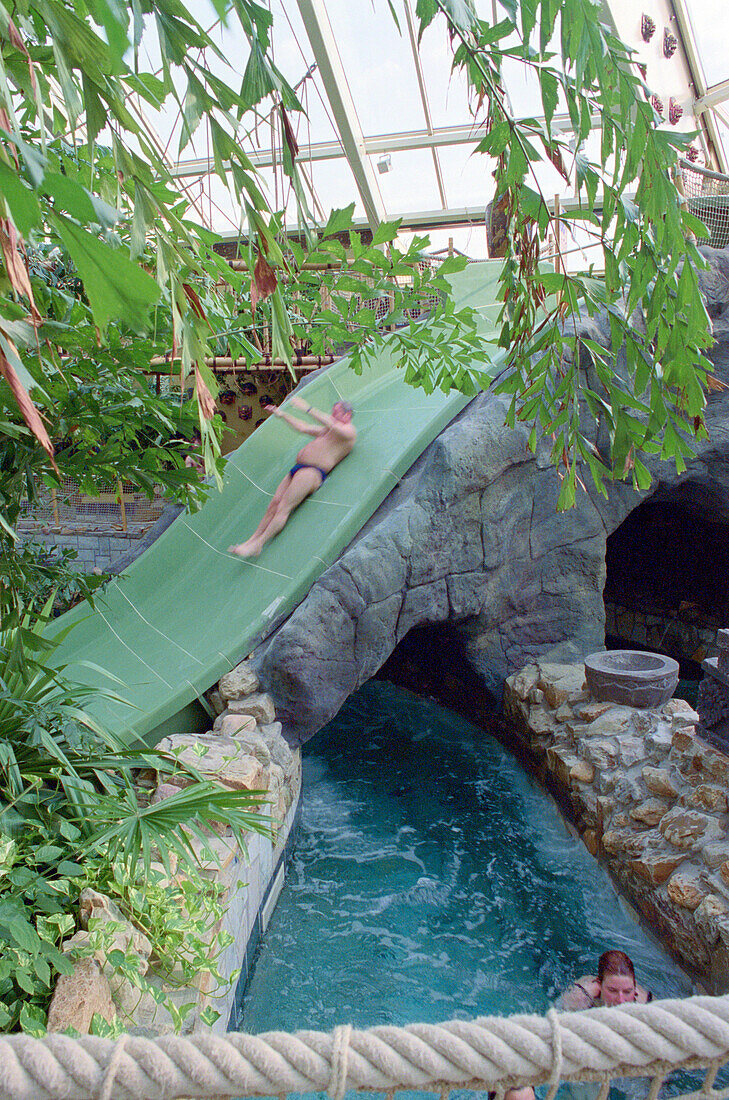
column 616, row 975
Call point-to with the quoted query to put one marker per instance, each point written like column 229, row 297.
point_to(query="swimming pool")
column 432, row 879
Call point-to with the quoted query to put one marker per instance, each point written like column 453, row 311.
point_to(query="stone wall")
column 677, row 636
column 647, row 796
column 102, row 546
column 97, row 546
column 244, row 751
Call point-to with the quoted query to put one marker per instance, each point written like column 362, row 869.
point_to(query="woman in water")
column 615, row 984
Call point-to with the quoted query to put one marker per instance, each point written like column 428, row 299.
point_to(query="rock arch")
column 471, row 536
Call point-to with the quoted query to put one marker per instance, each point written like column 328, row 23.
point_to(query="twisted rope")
column 488, row 1053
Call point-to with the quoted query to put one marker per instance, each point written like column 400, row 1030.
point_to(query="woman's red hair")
column 614, row 962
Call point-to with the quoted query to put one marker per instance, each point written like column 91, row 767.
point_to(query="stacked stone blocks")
column 647, row 795
column 244, row 750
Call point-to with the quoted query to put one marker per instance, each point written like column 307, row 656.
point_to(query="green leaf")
column 386, row 231
column 81, row 204
column 23, row 204
column 339, row 221
column 115, row 286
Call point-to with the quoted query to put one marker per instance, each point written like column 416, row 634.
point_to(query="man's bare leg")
column 293, row 491
column 241, row 549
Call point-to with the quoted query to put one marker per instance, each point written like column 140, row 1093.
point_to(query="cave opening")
column 667, row 584
column 431, row 660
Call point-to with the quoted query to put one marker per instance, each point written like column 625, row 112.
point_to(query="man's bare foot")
column 248, row 549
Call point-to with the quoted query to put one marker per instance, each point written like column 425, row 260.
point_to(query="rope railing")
column 490, row 1053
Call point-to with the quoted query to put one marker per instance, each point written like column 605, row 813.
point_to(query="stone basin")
column 631, row 677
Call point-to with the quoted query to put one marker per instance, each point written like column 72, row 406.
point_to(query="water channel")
column 432, row 878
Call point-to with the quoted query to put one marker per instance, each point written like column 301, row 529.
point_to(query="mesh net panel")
column 70, row 505
column 707, row 194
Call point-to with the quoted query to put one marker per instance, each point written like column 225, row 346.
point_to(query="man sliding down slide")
column 332, row 442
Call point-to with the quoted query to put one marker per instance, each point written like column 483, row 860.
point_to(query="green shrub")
column 72, row 814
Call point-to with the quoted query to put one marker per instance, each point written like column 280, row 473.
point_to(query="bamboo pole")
column 122, row 507
column 226, row 362
column 558, row 265
column 54, row 505
column 242, row 265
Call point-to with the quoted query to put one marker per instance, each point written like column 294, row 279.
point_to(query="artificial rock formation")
column 471, row 536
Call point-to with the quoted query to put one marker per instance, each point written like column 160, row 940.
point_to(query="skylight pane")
column 379, row 66
column 447, row 93
column 468, row 176
column 294, row 57
column 410, row 183
column 711, row 25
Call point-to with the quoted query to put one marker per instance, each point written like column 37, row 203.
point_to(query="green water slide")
column 187, row 611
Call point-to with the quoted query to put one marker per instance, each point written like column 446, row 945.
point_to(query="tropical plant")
column 649, row 388
column 72, row 814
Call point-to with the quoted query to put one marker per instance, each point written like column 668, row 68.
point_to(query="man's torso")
column 326, row 450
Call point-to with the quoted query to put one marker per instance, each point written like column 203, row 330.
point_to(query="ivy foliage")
column 648, row 390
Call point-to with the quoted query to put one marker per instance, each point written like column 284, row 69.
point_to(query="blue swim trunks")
column 306, row 466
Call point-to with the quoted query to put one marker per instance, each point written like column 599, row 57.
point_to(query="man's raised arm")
column 345, row 429
column 297, row 425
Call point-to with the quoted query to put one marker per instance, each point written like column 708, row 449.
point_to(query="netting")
column 117, row 502
column 707, row 195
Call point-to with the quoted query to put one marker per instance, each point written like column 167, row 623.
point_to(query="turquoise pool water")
column 432, row 879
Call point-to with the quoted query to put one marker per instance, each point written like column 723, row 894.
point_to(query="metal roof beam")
column 467, row 134
column 424, row 100
column 717, row 93
column 452, row 217
column 331, row 70
column 691, row 53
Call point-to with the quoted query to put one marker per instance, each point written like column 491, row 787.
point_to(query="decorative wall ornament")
column 245, row 412
column 657, row 105
column 227, row 397
column 675, row 110
column 670, row 43
column 647, row 27
column 692, row 153
column 248, row 389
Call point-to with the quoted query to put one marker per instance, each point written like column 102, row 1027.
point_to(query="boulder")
column 79, row 996
column 560, row 682
column 94, row 906
column 714, row 855
column 655, row 867
column 242, row 681
column 259, row 706
column 685, row 828
column 223, row 758
column 707, row 797
column 659, row 782
column 234, row 725
column 687, row 889
column 650, row 812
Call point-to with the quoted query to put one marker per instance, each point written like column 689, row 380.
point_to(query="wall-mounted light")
column 384, row 163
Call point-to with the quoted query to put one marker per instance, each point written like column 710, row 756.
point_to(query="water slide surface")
column 186, row 611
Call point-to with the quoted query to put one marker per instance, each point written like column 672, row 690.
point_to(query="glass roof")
column 411, row 168
column 710, row 22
